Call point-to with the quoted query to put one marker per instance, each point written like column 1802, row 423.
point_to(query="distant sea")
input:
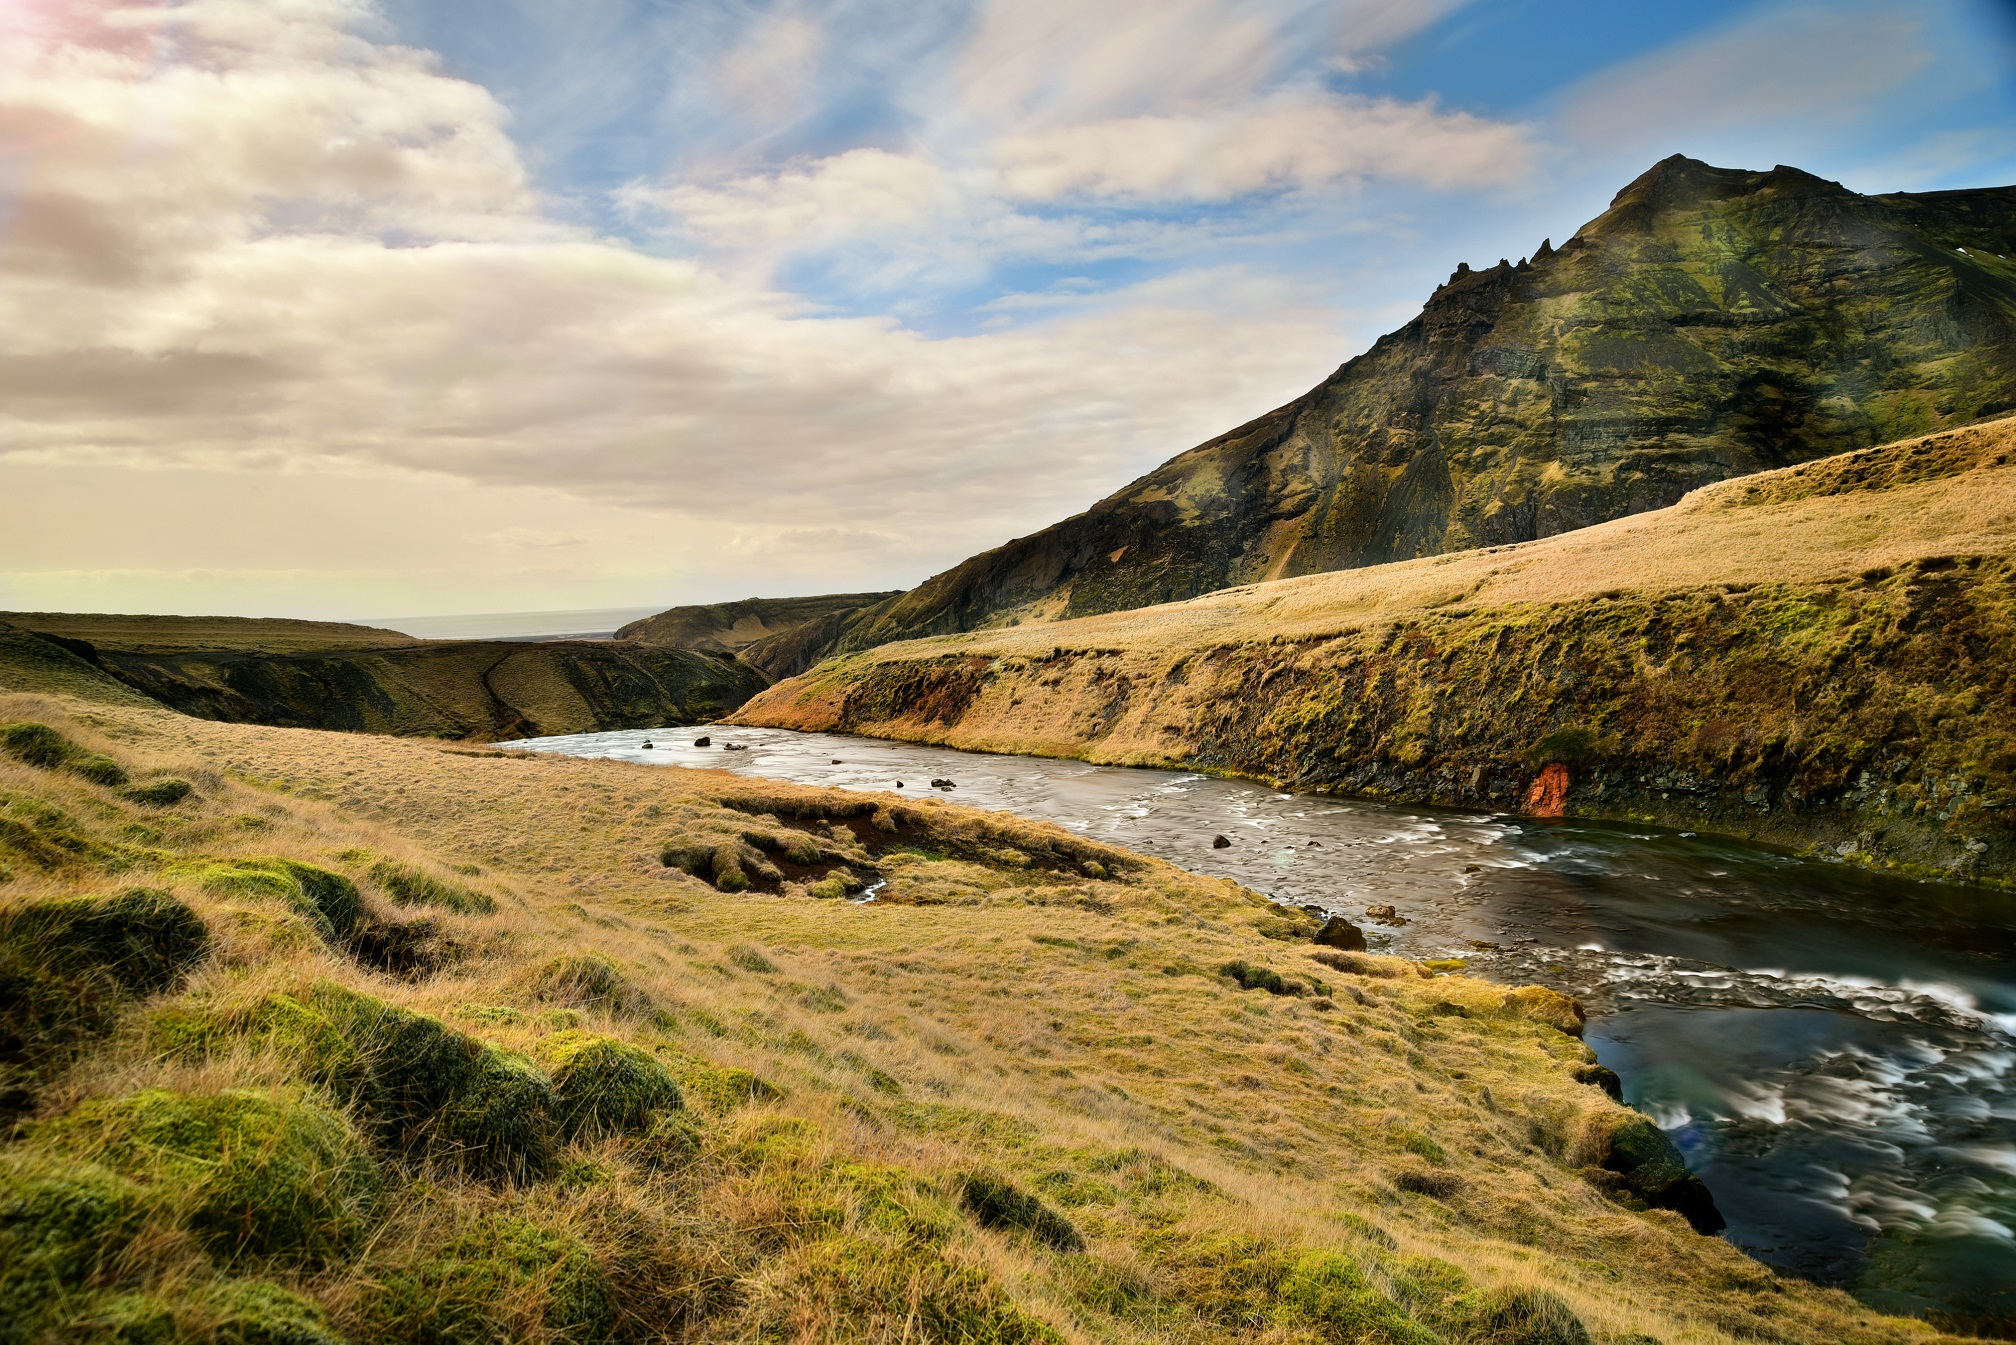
column 595, row 624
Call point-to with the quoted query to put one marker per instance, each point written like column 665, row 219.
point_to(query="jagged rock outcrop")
column 1713, row 322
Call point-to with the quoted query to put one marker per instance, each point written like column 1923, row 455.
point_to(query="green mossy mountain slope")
column 1712, row 323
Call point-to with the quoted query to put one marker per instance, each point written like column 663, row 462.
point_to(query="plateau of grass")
column 1816, row 656
column 1010, row 1100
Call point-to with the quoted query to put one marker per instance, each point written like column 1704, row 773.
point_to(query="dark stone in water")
column 735, row 747
column 943, row 784
column 703, row 742
column 1220, row 843
column 1603, row 1077
column 646, row 747
column 1337, row 932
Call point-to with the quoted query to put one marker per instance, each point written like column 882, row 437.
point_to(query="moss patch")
column 39, row 745
column 261, row 1172
column 604, row 1085
column 414, row 887
column 444, row 1094
column 506, row 1278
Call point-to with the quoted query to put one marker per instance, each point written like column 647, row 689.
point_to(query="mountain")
column 779, row 636
column 1712, row 323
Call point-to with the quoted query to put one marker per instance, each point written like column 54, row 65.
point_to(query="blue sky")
column 343, row 308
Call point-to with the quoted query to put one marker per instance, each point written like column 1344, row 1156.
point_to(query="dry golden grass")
column 1021, row 1001
column 1944, row 494
column 175, row 634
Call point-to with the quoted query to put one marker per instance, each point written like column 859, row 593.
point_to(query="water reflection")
column 1835, row 1051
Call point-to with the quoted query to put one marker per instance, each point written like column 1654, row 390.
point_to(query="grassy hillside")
column 780, row 636
column 1711, row 323
column 189, row 634
column 1815, row 655
column 316, row 675
column 313, row 1037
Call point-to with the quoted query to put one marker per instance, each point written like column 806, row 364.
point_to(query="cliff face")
column 1712, row 323
column 480, row 689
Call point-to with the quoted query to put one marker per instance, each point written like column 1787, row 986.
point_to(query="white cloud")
column 1800, row 63
column 248, row 244
column 1301, row 139
column 1062, row 62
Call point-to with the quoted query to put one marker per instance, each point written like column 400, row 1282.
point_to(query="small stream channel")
column 1834, row 1051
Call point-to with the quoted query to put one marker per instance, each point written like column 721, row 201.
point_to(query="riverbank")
column 1816, row 658
column 1041, row 1089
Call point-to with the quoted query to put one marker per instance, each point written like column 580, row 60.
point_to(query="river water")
column 1834, row 1051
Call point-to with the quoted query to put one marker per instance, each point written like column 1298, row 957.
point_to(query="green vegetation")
column 40, row 745
column 412, row 887
column 601, row 1084
column 263, row 1173
column 997, row 1204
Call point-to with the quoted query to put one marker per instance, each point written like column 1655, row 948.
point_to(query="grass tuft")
column 603, row 1085
column 995, row 1203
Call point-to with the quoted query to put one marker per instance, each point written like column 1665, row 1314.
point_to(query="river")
column 1834, row 1051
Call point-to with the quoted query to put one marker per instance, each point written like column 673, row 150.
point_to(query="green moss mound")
column 163, row 793
column 1328, row 1292
column 41, row 746
column 411, row 887
column 1647, row 1166
column 258, row 1172
column 1518, row 1316
column 253, row 1312
column 444, row 1094
column 328, row 901
column 61, row 1222
column 604, row 1085
column 1249, row 977
column 68, row 966
column 589, row 981
column 234, row 1312
column 994, row 1203
column 277, row 1024
column 37, row 834
column 143, row 939
column 507, row 1278
column 35, row 745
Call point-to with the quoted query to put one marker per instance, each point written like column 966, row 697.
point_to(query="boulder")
column 1337, row 932
column 1220, row 842
column 703, row 741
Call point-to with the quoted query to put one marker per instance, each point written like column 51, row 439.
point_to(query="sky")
column 376, row 308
